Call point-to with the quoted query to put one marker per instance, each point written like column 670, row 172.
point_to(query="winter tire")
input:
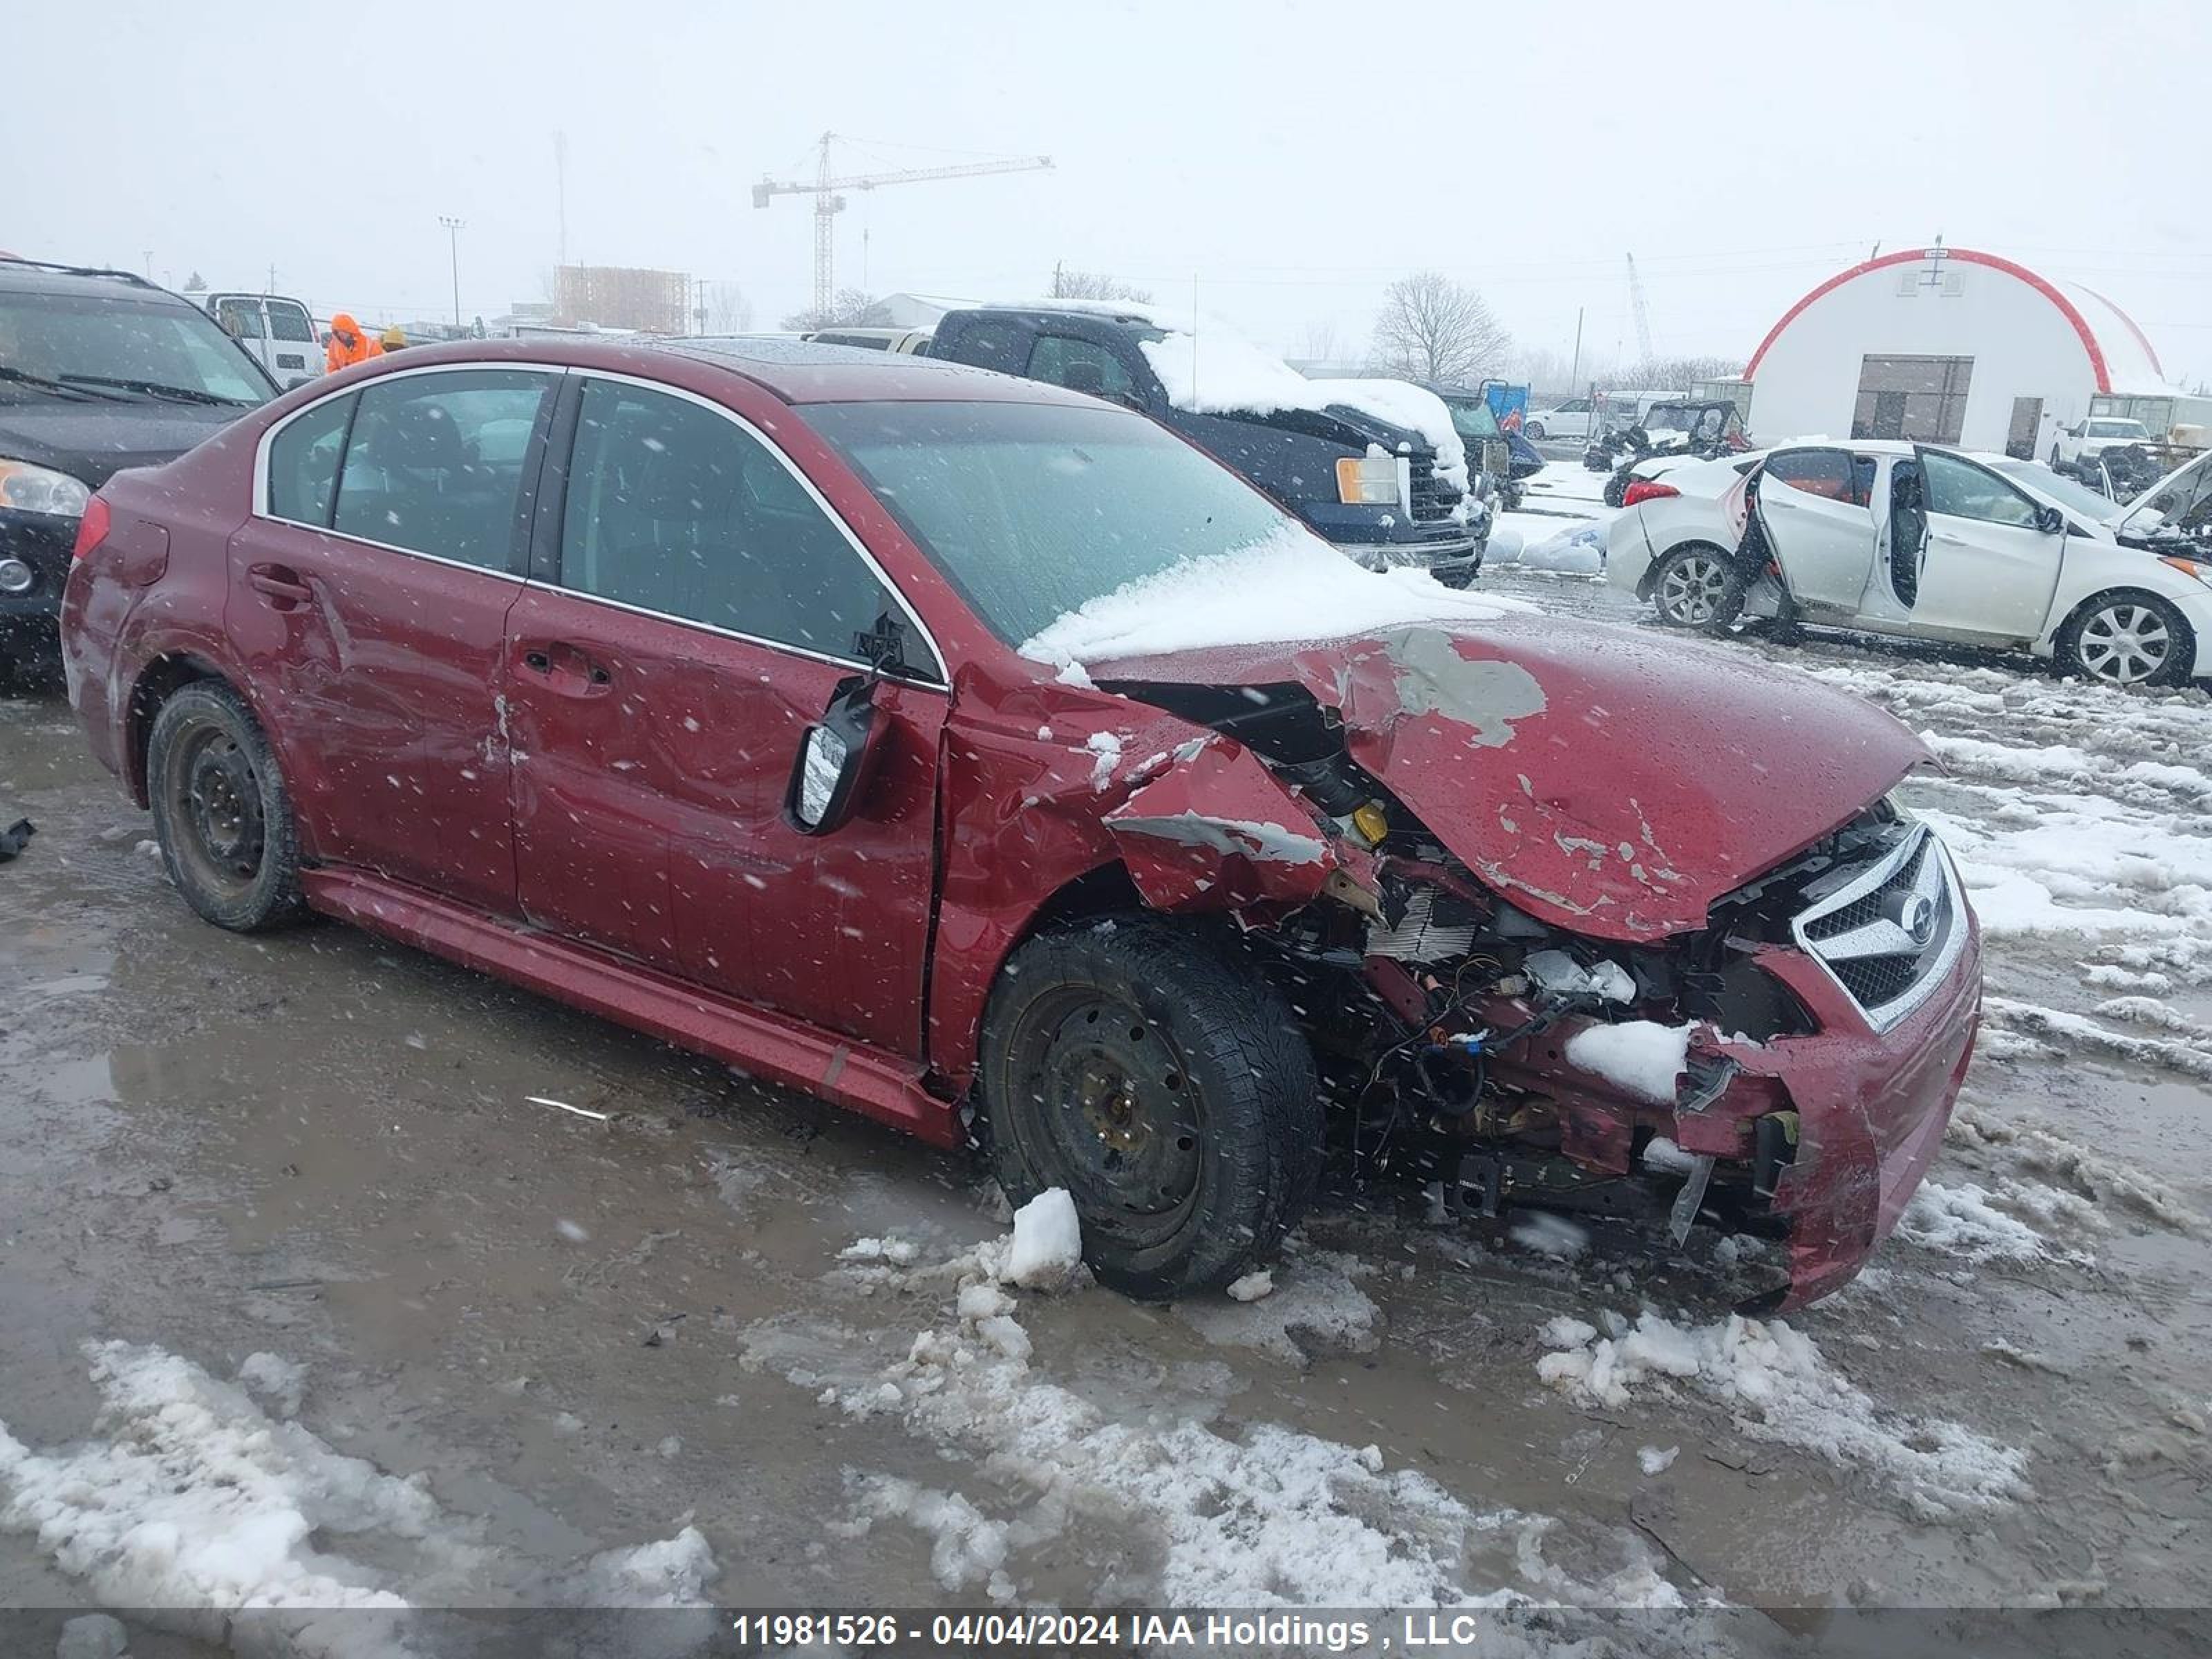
column 1696, row 587
column 1534, row 432
column 2127, row 639
column 221, row 813
column 1155, row 1074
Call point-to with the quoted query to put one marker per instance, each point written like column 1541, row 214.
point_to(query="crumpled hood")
column 1612, row 784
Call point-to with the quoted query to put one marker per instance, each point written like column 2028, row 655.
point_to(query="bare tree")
column 1094, row 285
column 851, row 308
column 727, row 310
column 1433, row 329
column 1320, row 345
column 1676, row 373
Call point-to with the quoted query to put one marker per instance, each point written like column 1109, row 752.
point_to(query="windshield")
column 1032, row 510
column 2118, row 430
column 2073, row 497
column 120, row 345
column 1472, row 419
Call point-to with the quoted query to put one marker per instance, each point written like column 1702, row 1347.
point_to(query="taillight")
column 91, row 529
column 1646, row 489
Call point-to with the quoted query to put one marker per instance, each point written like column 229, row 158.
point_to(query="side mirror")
column 835, row 758
column 2050, row 520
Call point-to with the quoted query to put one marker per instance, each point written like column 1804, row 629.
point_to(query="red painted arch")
column 2141, row 338
column 1965, row 256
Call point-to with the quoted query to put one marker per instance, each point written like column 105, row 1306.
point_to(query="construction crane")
column 1643, row 311
column 829, row 203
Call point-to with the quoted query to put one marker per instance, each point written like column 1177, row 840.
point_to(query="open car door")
column 1992, row 553
column 1815, row 506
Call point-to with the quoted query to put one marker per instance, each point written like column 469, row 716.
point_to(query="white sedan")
column 1908, row 539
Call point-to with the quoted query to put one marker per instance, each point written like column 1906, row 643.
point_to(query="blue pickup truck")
column 1385, row 491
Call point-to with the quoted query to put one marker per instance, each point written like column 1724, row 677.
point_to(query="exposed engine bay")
column 1475, row 1049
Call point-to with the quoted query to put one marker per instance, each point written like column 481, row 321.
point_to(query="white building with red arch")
column 1949, row 345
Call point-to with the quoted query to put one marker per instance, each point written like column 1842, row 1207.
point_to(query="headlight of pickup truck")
column 30, row 488
column 1367, row 480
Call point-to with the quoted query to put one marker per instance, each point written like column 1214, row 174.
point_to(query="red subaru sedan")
column 979, row 755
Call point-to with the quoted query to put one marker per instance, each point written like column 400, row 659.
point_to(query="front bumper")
column 1454, row 563
column 29, row 621
column 1871, row 1106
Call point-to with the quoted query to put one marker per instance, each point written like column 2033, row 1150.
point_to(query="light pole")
column 453, row 228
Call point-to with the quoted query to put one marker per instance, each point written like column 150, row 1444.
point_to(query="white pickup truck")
column 2089, row 438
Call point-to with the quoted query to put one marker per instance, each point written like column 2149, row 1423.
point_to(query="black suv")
column 99, row 370
column 1366, row 484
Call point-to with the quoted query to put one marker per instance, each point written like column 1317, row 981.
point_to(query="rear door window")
column 240, row 317
column 303, row 464
column 1080, row 366
column 288, row 321
column 674, row 508
column 1831, row 474
column 434, row 464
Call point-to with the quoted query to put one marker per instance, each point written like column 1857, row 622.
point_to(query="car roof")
column 19, row 276
column 797, row 371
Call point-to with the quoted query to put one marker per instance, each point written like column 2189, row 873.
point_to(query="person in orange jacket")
column 350, row 344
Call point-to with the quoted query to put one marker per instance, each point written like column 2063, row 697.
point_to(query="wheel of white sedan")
column 1695, row 587
column 2127, row 639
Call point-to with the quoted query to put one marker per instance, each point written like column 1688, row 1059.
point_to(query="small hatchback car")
column 981, row 756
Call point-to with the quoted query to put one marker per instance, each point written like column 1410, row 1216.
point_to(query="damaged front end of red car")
column 1570, row 925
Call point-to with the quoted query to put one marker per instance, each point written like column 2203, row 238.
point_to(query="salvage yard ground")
column 294, row 1230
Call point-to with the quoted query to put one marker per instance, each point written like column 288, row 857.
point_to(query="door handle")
column 570, row 669
column 282, row 585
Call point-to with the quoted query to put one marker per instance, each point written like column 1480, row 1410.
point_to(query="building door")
column 2020, row 437
column 1921, row 398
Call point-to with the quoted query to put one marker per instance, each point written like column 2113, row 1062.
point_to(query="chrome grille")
column 1889, row 932
column 1432, row 498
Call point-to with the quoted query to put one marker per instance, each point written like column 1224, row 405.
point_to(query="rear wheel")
column 1534, row 431
column 2127, row 639
column 1153, row 1073
column 221, row 813
column 1696, row 587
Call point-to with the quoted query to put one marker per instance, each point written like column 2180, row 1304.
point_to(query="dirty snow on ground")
column 1289, row 587
column 1317, row 1296
column 191, row 1495
column 1777, row 1385
column 1265, row 1516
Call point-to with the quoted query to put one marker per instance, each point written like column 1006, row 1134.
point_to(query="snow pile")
column 1639, row 1055
column 1105, row 750
column 282, row 1383
column 1962, row 1221
column 1269, row 1518
column 1213, row 372
column 1550, row 1235
column 1288, row 588
column 2068, row 1032
column 1655, row 1460
column 1046, row 1251
column 1314, row 1293
column 1575, row 551
column 194, row 1497
column 1777, row 1387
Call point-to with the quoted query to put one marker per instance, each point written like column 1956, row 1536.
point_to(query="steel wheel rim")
column 1116, row 1110
column 214, row 791
column 1690, row 589
column 2125, row 644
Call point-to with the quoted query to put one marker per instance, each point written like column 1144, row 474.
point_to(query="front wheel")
column 221, row 813
column 1696, row 587
column 1151, row 1071
column 2127, row 639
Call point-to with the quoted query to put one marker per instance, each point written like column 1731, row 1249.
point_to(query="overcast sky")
column 1290, row 158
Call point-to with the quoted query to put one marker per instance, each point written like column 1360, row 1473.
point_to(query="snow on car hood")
column 1213, row 372
column 1612, row 784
